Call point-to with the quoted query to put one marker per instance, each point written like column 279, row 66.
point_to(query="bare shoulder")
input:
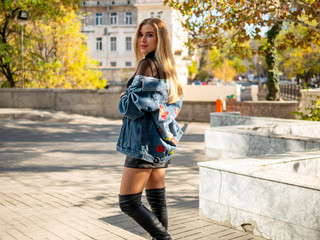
column 144, row 68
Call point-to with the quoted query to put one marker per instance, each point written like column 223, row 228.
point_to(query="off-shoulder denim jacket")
column 149, row 131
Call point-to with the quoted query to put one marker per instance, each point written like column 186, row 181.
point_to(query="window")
column 159, row 14
column 84, row 20
column 98, row 3
column 99, row 63
column 99, row 44
column 128, row 64
column 128, row 17
column 113, row 18
column 128, row 2
column 128, row 44
column 113, row 42
column 113, row 64
column 152, row 14
column 83, row 3
column 98, row 19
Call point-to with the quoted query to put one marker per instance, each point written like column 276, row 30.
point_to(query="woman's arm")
column 143, row 95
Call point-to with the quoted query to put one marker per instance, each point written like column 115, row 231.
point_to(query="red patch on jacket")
column 176, row 110
column 163, row 113
column 160, row 149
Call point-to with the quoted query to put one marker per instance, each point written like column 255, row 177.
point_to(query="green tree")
column 205, row 19
column 10, row 30
column 272, row 61
column 202, row 65
column 54, row 52
column 300, row 62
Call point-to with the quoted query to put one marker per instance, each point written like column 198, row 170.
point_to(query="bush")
column 313, row 111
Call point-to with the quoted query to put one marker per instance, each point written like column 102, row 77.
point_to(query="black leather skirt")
column 139, row 163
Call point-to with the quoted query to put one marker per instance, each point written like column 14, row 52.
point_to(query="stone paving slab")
column 60, row 177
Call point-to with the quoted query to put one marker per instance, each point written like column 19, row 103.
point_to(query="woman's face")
column 147, row 39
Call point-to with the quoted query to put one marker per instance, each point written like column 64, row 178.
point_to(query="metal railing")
column 290, row 91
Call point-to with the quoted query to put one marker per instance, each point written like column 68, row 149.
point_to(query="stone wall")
column 196, row 111
column 105, row 103
column 278, row 109
column 307, row 98
column 86, row 102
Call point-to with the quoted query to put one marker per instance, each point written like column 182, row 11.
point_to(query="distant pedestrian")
column 149, row 133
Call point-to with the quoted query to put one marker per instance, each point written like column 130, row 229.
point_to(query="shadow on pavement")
column 125, row 222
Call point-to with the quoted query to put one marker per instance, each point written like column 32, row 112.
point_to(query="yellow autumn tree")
column 224, row 64
column 225, row 71
column 57, row 56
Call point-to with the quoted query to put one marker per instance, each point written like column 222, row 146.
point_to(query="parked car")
column 250, row 77
column 198, row 83
column 287, row 82
column 264, row 79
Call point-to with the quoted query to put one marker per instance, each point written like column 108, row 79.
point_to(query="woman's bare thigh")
column 134, row 180
column 156, row 179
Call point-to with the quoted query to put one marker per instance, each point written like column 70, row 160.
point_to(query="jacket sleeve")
column 143, row 95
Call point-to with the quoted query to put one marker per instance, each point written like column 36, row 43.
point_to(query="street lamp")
column 23, row 16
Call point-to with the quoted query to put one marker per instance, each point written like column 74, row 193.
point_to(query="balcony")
column 107, row 3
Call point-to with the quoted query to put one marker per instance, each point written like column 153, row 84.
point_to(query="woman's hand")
column 123, row 93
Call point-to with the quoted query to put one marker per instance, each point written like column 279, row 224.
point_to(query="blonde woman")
column 149, row 133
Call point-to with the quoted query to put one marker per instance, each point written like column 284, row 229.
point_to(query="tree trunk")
column 273, row 64
column 10, row 79
column 202, row 62
column 5, row 67
column 6, row 70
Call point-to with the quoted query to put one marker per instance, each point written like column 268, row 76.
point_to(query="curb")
column 33, row 115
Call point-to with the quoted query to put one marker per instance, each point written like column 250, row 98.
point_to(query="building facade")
column 110, row 27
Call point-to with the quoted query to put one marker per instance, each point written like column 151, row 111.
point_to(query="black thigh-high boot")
column 132, row 206
column 157, row 200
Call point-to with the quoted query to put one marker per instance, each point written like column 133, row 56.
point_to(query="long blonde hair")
column 163, row 55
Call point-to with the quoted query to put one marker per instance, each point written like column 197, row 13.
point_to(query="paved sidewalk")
column 60, row 177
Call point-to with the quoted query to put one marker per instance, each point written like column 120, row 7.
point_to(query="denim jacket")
column 149, row 129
